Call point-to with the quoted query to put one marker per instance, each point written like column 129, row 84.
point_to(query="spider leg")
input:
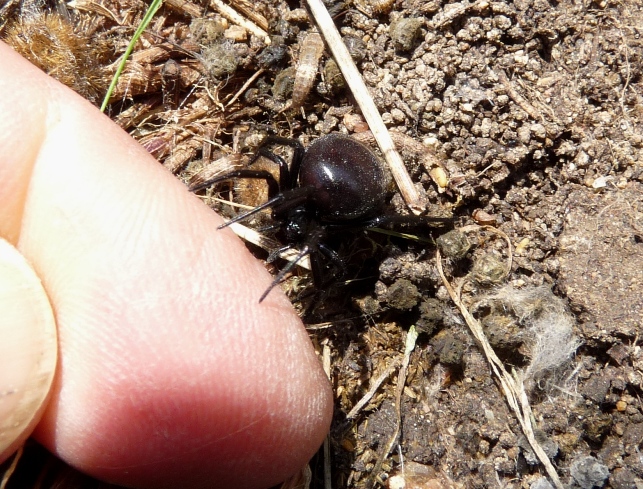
column 273, row 185
column 409, row 220
column 281, row 201
column 312, row 244
column 276, row 253
column 268, row 228
column 282, row 273
column 324, row 276
column 266, row 205
column 293, row 198
column 287, row 177
column 318, row 268
column 286, row 180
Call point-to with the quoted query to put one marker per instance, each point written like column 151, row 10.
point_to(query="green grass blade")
column 149, row 15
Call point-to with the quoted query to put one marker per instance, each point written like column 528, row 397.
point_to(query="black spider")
column 334, row 186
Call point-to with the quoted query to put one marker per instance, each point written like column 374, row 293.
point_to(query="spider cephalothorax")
column 335, row 185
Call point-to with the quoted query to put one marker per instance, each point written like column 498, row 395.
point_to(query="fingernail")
column 28, row 349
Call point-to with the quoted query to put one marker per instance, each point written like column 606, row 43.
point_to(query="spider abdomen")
column 349, row 181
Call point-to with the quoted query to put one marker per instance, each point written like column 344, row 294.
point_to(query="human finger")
column 167, row 361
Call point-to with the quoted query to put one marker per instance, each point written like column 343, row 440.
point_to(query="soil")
column 521, row 119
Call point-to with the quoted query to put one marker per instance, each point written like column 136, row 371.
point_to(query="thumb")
column 28, row 349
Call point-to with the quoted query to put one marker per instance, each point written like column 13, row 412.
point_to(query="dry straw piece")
column 367, row 105
column 550, row 328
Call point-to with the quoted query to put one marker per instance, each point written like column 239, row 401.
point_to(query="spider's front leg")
column 273, row 189
column 273, row 185
column 287, row 176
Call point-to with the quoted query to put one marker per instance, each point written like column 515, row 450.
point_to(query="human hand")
column 170, row 373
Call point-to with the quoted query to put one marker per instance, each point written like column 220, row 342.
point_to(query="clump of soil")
column 533, row 111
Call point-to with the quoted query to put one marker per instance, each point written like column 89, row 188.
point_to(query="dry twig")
column 371, row 391
column 457, row 10
column 9, row 472
column 512, row 385
column 365, row 101
column 258, row 239
column 233, row 16
column 245, row 86
column 409, row 346
column 185, row 7
column 519, row 99
column 249, row 9
column 327, row 469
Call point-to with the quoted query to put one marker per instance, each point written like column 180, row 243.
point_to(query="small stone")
column 356, row 48
column 454, row 244
column 405, row 32
column 539, row 131
column 483, row 217
column 449, row 349
column 541, row 483
column 236, row 33
column 589, row 472
column 403, row 295
column 283, row 85
column 333, row 77
column 596, row 388
column 397, row 115
column 489, row 269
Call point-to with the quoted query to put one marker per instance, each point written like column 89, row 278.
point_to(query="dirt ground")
column 522, row 119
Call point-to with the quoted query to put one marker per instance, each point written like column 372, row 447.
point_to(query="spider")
column 335, row 185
